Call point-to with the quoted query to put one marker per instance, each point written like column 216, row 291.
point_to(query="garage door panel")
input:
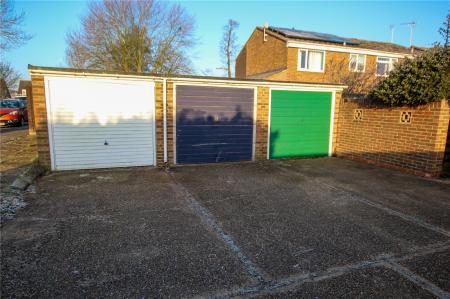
column 94, row 164
column 93, row 133
column 210, row 119
column 86, row 156
column 99, row 123
column 213, row 158
column 96, row 124
column 214, row 92
column 292, row 131
column 207, row 130
column 213, row 116
column 217, row 148
column 294, row 122
column 230, row 105
column 229, row 139
column 299, row 123
column 214, row 124
column 121, row 147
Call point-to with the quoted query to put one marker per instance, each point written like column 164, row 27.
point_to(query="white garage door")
column 100, row 123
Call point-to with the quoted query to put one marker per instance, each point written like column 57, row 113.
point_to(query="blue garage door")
column 213, row 124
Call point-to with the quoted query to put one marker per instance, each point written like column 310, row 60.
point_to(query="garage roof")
column 58, row 70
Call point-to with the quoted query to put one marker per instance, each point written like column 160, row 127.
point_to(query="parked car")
column 13, row 112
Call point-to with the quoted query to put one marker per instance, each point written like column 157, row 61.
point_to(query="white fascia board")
column 94, row 75
column 322, row 47
column 199, row 81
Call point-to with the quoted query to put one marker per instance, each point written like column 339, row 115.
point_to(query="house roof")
column 310, row 35
column 295, row 34
column 24, row 84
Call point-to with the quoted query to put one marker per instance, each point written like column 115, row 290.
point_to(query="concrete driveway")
column 314, row 228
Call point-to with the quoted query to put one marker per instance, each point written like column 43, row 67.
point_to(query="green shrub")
column 417, row 81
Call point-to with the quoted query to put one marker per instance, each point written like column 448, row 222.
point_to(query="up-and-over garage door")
column 299, row 123
column 214, row 124
column 99, row 123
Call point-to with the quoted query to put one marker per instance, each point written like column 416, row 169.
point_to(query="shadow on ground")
column 289, row 228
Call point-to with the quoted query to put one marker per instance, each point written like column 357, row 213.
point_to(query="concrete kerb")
column 27, row 177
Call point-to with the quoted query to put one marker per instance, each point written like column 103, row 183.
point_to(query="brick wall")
column 336, row 64
column 160, row 125
column 258, row 56
column 262, row 123
column 380, row 138
column 337, row 111
column 159, row 121
column 446, row 170
column 30, row 108
column 447, row 147
column 40, row 120
column 170, row 128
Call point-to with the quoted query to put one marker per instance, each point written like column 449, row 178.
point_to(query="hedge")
column 416, row 81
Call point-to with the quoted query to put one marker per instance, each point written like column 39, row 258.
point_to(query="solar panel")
column 294, row 33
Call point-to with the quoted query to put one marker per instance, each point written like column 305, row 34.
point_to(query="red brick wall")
column 30, row 108
column 40, row 119
column 380, row 138
column 170, row 128
column 259, row 56
column 262, row 123
column 159, row 123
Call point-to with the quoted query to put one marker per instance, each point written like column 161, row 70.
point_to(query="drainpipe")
column 165, row 120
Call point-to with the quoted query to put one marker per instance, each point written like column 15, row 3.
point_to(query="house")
column 275, row 53
column 4, row 91
column 24, row 89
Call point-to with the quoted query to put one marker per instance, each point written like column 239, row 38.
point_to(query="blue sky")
column 49, row 21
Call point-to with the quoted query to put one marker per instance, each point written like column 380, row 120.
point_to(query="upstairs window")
column 385, row 65
column 357, row 63
column 311, row 60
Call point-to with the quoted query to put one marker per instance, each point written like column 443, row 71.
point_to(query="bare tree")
column 132, row 36
column 359, row 83
column 9, row 74
column 11, row 34
column 228, row 45
column 444, row 31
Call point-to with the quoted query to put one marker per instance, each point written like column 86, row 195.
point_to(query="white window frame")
column 390, row 65
column 299, row 57
column 355, row 70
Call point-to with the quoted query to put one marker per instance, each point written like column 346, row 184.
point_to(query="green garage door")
column 299, row 124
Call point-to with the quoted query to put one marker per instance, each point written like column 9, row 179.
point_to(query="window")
column 385, row 65
column 312, row 61
column 357, row 62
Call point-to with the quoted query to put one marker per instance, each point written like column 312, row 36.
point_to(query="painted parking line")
column 356, row 197
column 209, row 220
column 391, row 262
column 266, row 286
column 417, row 279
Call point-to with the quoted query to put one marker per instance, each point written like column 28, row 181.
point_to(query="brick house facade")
column 270, row 54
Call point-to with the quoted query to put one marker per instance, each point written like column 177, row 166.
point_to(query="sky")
column 49, row 21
